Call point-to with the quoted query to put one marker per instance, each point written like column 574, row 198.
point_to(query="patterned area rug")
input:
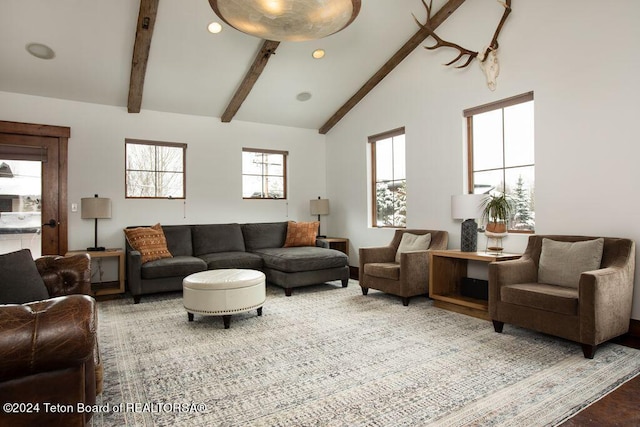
column 329, row 356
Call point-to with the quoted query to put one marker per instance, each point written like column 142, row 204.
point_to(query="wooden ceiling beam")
column 437, row 19
column 268, row 48
column 141, row 47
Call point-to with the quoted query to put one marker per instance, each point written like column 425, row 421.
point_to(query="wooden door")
column 26, row 140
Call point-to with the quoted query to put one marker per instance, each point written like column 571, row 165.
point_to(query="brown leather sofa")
column 49, row 353
column 597, row 309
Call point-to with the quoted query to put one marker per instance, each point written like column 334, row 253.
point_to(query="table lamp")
column 95, row 208
column 319, row 207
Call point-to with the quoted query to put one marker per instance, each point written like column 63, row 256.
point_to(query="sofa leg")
column 365, row 290
column 405, row 301
column 136, row 299
column 345, row 283
column 287, row 291
column 497, row 326
column 588, row 350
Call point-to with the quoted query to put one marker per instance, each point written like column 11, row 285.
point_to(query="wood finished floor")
column 619, row 408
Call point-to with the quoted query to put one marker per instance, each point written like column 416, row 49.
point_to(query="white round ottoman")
column 223, row 293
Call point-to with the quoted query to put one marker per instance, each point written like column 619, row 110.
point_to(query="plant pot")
column 497, row 227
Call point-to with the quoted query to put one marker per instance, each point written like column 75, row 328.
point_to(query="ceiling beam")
column 268, row 48
column 141, row 47
column 437, row 19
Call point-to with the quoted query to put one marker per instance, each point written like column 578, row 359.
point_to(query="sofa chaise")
column 257, row 246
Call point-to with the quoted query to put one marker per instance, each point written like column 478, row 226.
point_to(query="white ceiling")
column 191, row 71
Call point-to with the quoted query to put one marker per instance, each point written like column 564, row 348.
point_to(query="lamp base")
column 98, row 249
column 469, row 236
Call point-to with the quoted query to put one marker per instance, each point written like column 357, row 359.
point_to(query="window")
column 389, row 179
column 264, row 174
column 154, row 170
column 501, row 155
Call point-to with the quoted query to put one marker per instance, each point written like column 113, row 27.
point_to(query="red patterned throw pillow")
column 301, row 233
column 149, row 241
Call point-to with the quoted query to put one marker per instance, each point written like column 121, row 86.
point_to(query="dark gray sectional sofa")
column 257, row 246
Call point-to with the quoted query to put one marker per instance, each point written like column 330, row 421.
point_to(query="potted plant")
column 496, row 211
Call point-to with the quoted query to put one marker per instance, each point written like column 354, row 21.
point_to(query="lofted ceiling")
column 192, row 71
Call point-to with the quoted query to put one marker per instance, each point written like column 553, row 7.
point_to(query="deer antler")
column 463, row 51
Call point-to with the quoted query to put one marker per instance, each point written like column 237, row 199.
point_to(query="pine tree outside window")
column 501, row 155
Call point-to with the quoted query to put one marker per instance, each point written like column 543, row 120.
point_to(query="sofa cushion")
column 384, row 270
column 557, row 299
column 149, row 241
column 264, row 235
column 20, row 281
column 303, row 258
column 301, row 234
column 233, row 260
column 213, row 238
column 413, row 242
column 178, row 239
column 561, row 263
column 172, row 267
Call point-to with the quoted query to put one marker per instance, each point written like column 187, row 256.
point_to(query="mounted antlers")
column 488, row 56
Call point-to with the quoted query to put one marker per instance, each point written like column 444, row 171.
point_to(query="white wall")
column 214, row 183
column 578, row 58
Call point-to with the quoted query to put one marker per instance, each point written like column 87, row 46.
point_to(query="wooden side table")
column 112, row 287
column 446, row 270
column 338, row 243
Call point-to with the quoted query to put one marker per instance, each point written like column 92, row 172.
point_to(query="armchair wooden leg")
column 365, row 291
column 287, row 291
column 405, row 301
column 588, row 350
column 136, row 299
column 497, row 326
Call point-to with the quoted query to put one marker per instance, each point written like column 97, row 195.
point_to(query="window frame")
column 183, row 146
column 285, row 155
column 372, row 140
column 493, row 106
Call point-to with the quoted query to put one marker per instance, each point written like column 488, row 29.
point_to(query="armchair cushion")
column 385, row 270
column 413, row 242
column 562, row 263
column 19, row 279
column 557, row 299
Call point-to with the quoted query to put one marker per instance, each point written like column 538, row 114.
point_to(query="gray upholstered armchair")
column 402, row 273
column 589, row 306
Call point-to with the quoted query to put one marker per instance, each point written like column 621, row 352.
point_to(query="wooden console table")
column 446, row 270
column 112, row 287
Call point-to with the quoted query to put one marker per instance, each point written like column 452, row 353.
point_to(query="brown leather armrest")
column 66, row 275
column 46, row 335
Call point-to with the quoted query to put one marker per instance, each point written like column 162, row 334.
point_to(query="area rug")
column 329, row 356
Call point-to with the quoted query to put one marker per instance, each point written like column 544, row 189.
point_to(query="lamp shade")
column 467, row 206
column 319, row 206
column 95, row 207
column 287, row 20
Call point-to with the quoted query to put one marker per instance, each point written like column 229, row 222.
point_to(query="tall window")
column 389, row 179
column 264, row 174
column 501, row 155
column 154, row 170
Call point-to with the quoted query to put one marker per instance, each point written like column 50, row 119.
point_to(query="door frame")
column 62, row 134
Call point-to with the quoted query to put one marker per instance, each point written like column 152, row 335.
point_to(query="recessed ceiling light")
column 318, row 53
column 40, row 51
column 214, row 27
column 303, row 96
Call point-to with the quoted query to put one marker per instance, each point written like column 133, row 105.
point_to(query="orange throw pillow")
column 301, row 233
column 149, row 241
